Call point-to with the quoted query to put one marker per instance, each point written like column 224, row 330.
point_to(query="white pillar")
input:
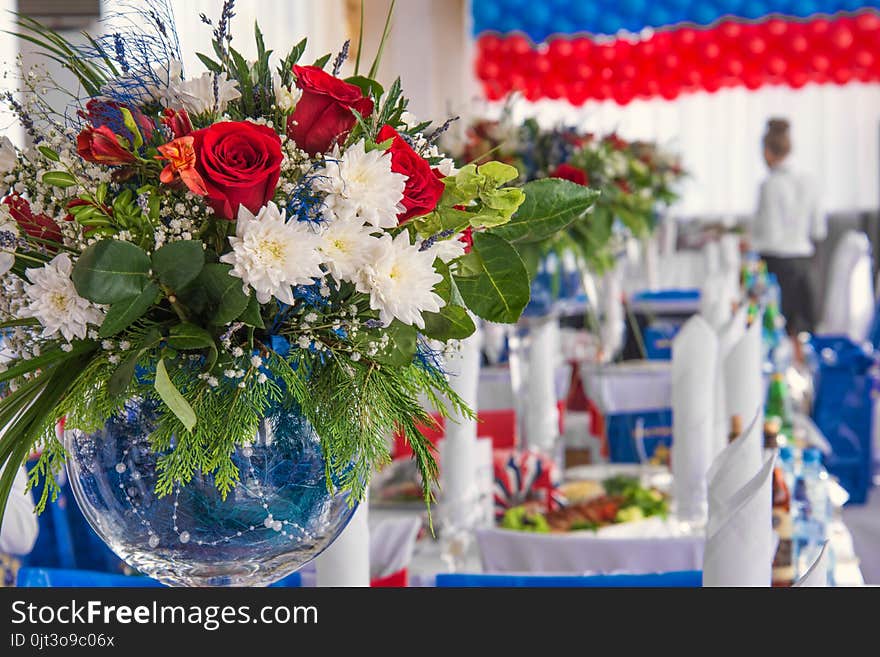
column 542, row 414
column 347, row 561
column 458, row 463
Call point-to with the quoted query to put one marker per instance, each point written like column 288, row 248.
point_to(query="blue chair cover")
column 679, row 579
column 60, row 577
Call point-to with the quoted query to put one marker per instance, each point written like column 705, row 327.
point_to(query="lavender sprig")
column 435, row 135
column 341, row 57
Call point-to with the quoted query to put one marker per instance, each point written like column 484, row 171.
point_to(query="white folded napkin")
column 728, row 335
column 817, row 575
column 694, row 366
column 392, row 543
column 741, row 369
column 733, row 468
column 739, row 550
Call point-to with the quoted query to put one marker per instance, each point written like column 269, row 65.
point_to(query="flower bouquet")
column 635, row 179
column 223, row 293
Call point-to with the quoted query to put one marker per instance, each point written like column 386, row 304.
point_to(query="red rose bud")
column 39, row 226
column 568, row 172
column 102, row 146
column 323, row 116
column 177, row 121
column 423, row 187
column 239, row 163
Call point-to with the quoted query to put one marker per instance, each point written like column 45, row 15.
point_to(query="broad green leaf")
column 251, row 315
column 451, row 323
column 226, row 299
column 189, row 336
column 498, row 172
column 132, row 126
column 172, row 397
column 402, row 347
column 120, row 378
column 368, row 86
column 321, row 62
column 123, row 313
column 492, row 279
column 110, row 271
column 48, row 153
column 550, row 206
column 443, row 289
column 177, row 264
column 58, row 179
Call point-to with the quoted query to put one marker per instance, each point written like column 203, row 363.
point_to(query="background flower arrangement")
column 254, row 236
column 635, row 180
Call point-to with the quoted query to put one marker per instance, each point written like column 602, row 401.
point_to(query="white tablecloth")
column 658, row 549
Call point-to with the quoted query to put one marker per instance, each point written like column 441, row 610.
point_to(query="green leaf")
column 492, row 279
column 550, row 206
column 401, row 348
column 110, row 271
column 451, row 323
column 179, row 263
column 172, row 397
column 58, row 179
column 48, row 153
column 251, row 315
column 123, row 374
column 132, row 126
column 368, row 86
column 123, row 313
column 188, row 336
column 226, row 300
column 498, row 172
column 321, row 62
column 209, row 63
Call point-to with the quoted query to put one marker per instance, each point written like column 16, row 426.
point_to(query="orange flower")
column 181, row 156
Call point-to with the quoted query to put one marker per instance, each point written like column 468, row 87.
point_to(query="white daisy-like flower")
column 196, row 95
column 286, row 98
column 54, row 302
column 8, row 156
column 346, row 248
column 447, row 250
column 271, row 255
column 400, row 280
column 8, row 240
column 361, row 185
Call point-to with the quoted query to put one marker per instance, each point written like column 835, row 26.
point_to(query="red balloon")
column 628, row 71
column 776, row 27
column 606, row 53
column 542, row 65
column 489, row 43
column 624, row 93
column 796, row 79
column 842, row 37
column 777, row 65
column 669, row 89
column 799, row 44
column 686, row 36
column 578, row 93
column 756, row 45
column 487, row 69
column 671, row 61
column 606, row 74
column 819, row 27
column 583, row 48
column 584, row 71
column 842, row 75
column 864, row 59
column 734, row 67
column 731, row 30
column 711, row 50
column 560, row 49
column 867, row 22
column 820, row 63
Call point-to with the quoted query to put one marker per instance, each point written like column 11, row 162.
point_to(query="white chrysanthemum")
column 361, row 185
column 447, row 250
column 54, row 302
column 8, row 156
column 8, row 240
column 197, row 94
column 285, row 97
column 271, row 255
column 400, row 280
column 346, row 247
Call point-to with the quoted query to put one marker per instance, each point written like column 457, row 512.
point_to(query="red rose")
column 102, row 146
column 423, row 186
column 39, row 225
column 568, row 172
column 239, row 163
column 323, row 116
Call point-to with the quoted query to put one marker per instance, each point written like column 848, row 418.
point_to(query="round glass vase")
column 278, row 516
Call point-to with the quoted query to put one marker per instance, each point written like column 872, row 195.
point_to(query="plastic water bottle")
column 787, row 463
column 805, row 544
column 816, row 481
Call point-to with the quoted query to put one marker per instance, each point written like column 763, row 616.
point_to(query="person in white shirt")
column 786, row 225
